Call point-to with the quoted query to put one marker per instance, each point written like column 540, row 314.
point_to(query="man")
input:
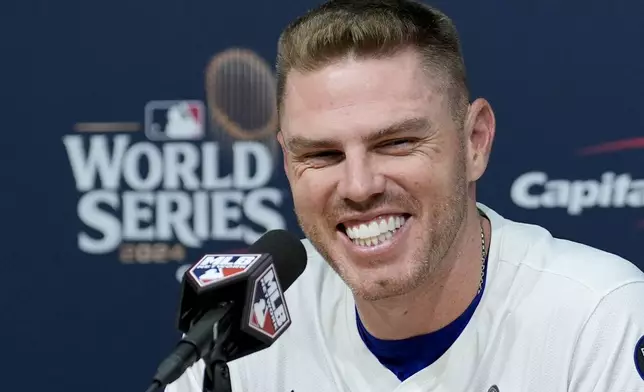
column 411, row 285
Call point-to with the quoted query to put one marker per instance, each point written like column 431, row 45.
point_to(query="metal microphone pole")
column 216, row 377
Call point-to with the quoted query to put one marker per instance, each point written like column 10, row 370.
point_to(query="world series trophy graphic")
column 241, row 95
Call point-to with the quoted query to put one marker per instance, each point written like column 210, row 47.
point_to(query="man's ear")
column 479, row 129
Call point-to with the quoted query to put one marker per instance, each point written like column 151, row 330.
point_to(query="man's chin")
column 370, row 278
column 374, row 283
column 380, row 290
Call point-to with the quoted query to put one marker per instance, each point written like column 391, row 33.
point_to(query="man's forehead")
column 357, row 118
column 351, row 98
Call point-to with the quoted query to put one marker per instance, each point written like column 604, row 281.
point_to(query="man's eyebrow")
column 298, row 143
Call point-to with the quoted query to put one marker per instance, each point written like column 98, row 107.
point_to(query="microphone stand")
column 216, row 376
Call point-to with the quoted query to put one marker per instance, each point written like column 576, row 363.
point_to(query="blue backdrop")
column 123, row 163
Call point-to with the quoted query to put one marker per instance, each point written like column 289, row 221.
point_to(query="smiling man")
column 411, row 284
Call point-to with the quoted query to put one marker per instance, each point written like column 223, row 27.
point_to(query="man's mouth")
column 375, row 231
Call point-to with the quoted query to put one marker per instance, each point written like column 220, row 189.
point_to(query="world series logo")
column 149, row 196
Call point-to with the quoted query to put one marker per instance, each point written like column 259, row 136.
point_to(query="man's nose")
column 362, row 180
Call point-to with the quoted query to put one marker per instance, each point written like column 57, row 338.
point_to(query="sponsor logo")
column 216, row 268
column 184, row 176
column 268, row 313
column 537, row 189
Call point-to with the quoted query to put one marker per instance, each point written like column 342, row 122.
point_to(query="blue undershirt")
column 408, row 356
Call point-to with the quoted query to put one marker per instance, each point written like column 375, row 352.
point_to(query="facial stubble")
column 440, row 230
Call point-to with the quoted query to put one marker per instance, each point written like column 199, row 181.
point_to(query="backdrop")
column 136, row 139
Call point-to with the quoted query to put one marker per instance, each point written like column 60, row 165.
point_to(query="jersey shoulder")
column 529, row 246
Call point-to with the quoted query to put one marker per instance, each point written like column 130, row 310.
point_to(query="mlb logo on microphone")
column 269, row 314
column 174, row 120
column 215, row 268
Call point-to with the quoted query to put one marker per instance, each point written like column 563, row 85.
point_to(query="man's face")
column 376, row 164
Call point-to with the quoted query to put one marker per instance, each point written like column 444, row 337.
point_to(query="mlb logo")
column 216, row 268
column 174, row 120
column 268, row 314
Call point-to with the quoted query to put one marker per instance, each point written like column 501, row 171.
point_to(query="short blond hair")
column 374, row 29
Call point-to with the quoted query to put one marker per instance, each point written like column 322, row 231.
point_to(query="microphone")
column 233, row 305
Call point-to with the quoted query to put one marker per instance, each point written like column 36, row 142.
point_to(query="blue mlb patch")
column 639, row 357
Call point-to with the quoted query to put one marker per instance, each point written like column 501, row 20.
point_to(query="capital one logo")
column 538, row 189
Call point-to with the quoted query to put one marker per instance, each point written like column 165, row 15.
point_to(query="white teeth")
column 374, row 229
column 391, row 223
column 371, row 241
column 375, row 232
column 383, row 227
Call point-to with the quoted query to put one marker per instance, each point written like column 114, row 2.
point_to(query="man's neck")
column 441, row 299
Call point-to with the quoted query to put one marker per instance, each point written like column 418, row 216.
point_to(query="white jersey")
column 555, row 316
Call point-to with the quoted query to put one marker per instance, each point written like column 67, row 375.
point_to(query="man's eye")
column 397, row 143
column 324, row 155
column 320, row 159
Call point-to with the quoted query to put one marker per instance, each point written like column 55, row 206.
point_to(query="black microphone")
column 233, row 305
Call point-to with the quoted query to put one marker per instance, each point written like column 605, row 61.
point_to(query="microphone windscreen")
column 289, row 255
